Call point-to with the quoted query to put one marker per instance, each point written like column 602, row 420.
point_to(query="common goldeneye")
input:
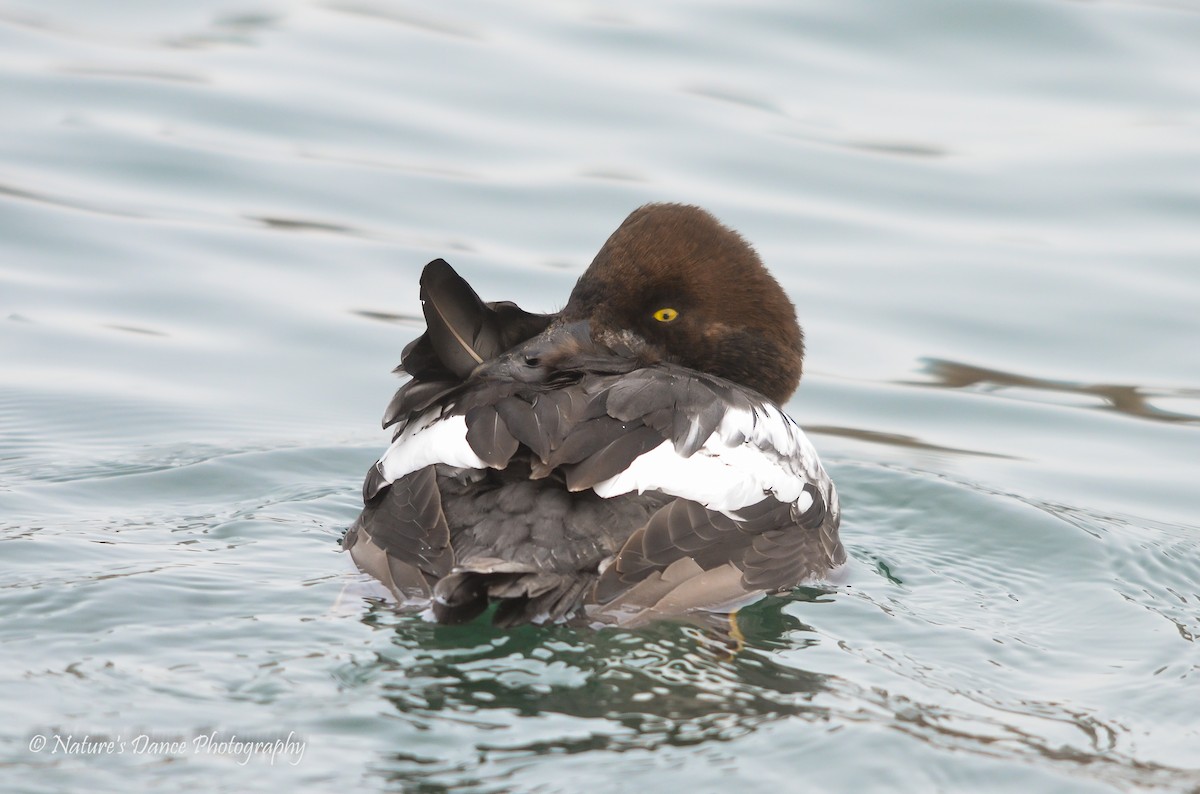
column 622, row 459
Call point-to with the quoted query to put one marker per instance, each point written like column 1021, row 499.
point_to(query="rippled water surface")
column 212, row 219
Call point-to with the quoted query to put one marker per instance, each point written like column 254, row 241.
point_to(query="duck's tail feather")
column 524, row 595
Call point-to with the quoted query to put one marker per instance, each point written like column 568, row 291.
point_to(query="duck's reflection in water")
column 669, row 683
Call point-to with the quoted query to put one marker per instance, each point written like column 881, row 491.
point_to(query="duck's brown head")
column 698, row 295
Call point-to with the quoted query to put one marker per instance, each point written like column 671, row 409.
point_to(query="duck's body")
column 622, row 458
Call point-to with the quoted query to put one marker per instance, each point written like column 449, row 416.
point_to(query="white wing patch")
column 749, row 456
column 432, row 438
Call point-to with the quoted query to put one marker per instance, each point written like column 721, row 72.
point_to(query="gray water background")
column 212, row 219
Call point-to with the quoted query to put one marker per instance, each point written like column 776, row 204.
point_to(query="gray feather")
column 489, row 437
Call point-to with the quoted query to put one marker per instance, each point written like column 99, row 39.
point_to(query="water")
column 212, row 218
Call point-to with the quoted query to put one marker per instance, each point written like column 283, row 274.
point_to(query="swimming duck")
column 623, row 459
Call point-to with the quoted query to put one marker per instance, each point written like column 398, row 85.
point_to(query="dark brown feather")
column 414, row 397
column 459, row 597
column 489, row 436
column 529, row 425
column 770, row 549
column 585, row 439
column 406, row 521
column 613, row 457
column 462, row 331
column 374, row 483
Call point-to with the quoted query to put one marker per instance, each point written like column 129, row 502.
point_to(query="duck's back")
column 634, row 491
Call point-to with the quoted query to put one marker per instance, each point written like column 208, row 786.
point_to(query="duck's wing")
column 401, row 537
column 748, row 506
column 688, row 557
column 754, row 512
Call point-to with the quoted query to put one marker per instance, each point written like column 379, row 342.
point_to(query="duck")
column 622, row 460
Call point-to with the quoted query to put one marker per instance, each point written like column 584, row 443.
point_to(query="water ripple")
column 1126, row 399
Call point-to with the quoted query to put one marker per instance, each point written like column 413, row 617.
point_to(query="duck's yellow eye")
column 665, row 315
